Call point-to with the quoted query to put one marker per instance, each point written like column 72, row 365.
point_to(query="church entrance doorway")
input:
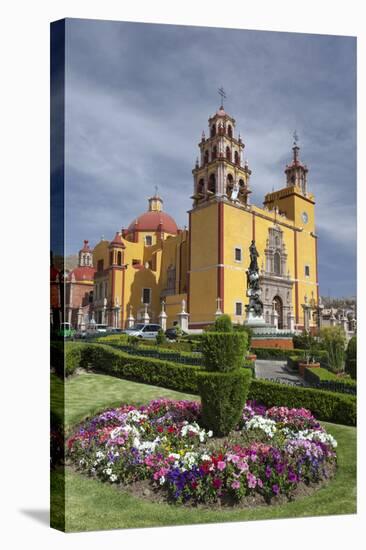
column 279, row 308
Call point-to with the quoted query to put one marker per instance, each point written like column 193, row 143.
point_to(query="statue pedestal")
column 183, row 321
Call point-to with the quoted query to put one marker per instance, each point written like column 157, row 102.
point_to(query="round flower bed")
column 273, row 452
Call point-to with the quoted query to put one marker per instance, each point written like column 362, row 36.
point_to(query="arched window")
column 214, row 152
column 277, row 263
column 213, row 130
column 119, row 258
column 201, row 186
column 228, row 153
column 206, row 157
column 236, row 157
column 212, row 183
column 230, row 131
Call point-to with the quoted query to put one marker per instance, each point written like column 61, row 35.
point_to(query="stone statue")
column 235, row 192
column 255, row 306
column 253, row 257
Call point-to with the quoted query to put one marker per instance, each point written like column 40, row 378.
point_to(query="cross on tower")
column 156, row 190
column 296, row 137
column 222, row 93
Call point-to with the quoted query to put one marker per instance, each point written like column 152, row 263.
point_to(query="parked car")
column 101, row 328
column 113, row 330
column 140, row 330
column 66, row 331
column 171, row 333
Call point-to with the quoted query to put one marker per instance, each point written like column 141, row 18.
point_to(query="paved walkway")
column 274, row 370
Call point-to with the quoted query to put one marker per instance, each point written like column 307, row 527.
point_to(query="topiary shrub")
column 247, row 330
column 160, row 337
column 223, row 395
column 333, row 340
column 351, row 358
column 223, row 324
column 223, row 351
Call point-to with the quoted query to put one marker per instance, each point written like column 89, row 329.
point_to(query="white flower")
column 108, row 471
column 162, row 480
column 113, row 478
column 258, row 422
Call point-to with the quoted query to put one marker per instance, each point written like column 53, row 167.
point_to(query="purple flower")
column 292, row 477
column 268, row 472
column 275, row 489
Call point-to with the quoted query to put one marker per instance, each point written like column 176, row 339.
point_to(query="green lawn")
column 93, row 505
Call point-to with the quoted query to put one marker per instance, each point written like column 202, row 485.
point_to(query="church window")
column 119, row 258
column 213, row 130
column 206, row 157
column 228, row 153
column 171, row 278
column 214, row 152
column 135, row 262
column 201, row 186
column 238, row 254
column 230, row 131
column 146, row 295
column 307, row 271
column 277, row 263
column 238, row 308
column 236, row 157
column 87, row 260
column 100, row 265
column 111, row 258
column 241, row 183
column 148, row 240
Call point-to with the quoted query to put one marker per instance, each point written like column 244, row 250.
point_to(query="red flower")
column 171, row 429
column 160, row 429
column 217, row 483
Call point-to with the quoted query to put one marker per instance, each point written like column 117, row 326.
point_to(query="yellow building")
column 152, row 261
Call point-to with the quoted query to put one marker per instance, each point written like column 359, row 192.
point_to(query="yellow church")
column 152, row 268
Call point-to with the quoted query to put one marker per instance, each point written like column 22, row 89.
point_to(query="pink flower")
column 243, row 466
column 235, row 484
column 221, row 465
column 252, row 480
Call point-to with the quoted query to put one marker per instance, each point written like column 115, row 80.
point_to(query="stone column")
column 163, row 316
column 80, row 318
column 291, row 321
column 183, row 317
column 274, row 320
column 218, row 307
column 130, row 319
column 145, row 317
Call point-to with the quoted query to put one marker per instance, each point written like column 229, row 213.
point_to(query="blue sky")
column 139, row 95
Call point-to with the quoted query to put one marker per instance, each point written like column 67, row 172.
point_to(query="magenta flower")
column 235, row 484
column 221, row 465
column 252, row 480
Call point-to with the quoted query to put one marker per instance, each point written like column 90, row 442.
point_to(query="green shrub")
column 248, row 330
column 351, row 358
column 333, row 340
column 325, row 405
column 223, row 395
column 223, row 351
column 223, row 324
column 133, row 341
column 327, row 380
column 160, row 337
column 141, row 369
column 66, row 357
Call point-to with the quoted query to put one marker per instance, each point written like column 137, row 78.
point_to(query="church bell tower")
column 220, row 170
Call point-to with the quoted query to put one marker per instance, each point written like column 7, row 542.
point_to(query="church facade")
column 152, row 261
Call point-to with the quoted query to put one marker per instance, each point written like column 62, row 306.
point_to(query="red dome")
column 84, row 273
column 154, row 220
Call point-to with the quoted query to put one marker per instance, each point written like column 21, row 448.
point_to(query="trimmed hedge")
column 351, row 358
column 279, row 354
column 327, row 380
column 66, row 357
column 141, row 369
column 223, row 396
column 325, row 405
column 224, row 351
